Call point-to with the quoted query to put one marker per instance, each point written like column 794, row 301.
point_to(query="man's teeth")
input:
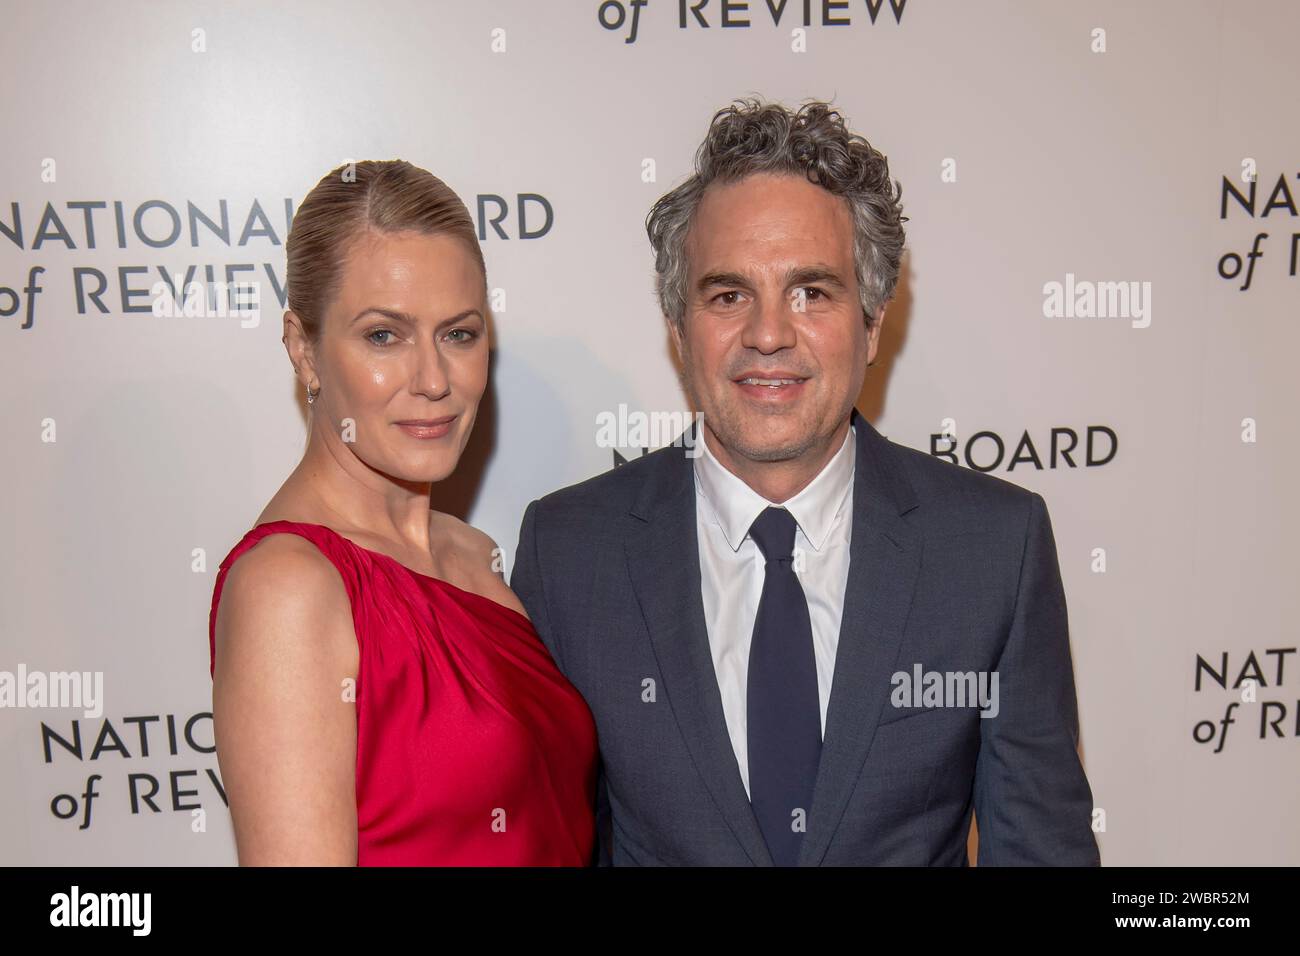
column 769, row 381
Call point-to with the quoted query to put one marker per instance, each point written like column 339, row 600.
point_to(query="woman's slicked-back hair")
column 755, row 137
column 385, row 196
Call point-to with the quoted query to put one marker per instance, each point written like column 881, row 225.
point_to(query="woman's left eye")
column 469, row 335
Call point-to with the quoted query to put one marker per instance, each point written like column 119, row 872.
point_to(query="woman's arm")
column 285, row 723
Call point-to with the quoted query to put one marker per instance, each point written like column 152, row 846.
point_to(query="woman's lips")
column 425, row 428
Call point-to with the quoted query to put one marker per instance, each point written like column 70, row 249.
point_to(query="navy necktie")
column 783, row 728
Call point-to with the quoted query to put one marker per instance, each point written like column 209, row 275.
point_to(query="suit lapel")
column 885, row 559
column 664, row 563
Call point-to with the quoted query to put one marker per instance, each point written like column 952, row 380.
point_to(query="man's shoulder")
column 612, row 493
column 954, row 498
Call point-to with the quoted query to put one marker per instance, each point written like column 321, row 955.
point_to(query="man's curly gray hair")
column 755, row 137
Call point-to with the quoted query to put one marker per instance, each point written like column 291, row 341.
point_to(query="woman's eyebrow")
column 406, row 317
column 392, row 314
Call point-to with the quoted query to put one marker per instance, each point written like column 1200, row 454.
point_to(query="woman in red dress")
column 380, row 696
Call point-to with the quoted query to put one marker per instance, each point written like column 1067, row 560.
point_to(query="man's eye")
column 723, row 296
column 374, row 332
column 812, row 292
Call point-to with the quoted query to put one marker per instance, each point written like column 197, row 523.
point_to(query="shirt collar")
column 736, row 505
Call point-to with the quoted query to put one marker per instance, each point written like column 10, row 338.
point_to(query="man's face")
column 774, row 347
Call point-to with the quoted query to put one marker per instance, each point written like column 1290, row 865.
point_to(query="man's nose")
column 770, row 325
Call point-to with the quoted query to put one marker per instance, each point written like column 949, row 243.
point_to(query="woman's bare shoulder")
column 284, row 598
column 283, row 555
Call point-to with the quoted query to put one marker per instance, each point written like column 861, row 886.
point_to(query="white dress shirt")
column 732, row 569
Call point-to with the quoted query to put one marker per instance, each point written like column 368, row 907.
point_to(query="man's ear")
column 298, row 345
column 676, row 333
column 873, row 333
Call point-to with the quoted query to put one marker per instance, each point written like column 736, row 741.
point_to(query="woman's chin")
column 417, row 469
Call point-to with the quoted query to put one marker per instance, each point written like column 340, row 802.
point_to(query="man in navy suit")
column 802, row 643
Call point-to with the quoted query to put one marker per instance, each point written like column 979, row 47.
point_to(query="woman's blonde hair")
column 388, row 196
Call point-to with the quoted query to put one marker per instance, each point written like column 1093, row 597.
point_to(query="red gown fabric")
column 472, row 748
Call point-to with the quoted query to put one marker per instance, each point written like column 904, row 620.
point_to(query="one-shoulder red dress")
column 472, row 748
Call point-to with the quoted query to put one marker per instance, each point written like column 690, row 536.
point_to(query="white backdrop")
column 1036, row 143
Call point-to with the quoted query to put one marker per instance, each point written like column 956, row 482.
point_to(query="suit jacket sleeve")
column 526, row 582
column 1033, row 805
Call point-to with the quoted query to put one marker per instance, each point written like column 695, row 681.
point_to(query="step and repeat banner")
column 1099, row 303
